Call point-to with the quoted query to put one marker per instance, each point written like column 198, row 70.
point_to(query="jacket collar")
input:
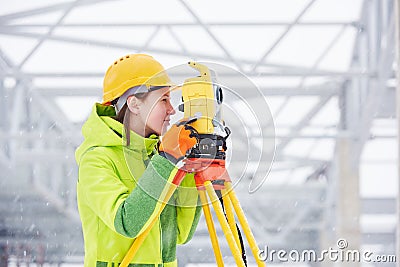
column 137, row 142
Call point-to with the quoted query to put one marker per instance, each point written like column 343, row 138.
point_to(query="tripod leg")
column 230, row 216
column 211, row 228
column 139, row 240
column 243, row 222
column 224, row 224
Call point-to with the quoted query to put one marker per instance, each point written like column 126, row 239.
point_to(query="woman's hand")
column 177, row 141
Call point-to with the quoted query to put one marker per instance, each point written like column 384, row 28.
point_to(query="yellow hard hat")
column 130, row 71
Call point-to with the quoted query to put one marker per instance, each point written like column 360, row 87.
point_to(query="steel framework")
column 311, row 210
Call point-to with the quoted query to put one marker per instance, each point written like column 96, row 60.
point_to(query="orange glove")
column 176, row 142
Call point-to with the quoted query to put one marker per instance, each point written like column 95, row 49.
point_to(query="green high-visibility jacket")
column 118, row 194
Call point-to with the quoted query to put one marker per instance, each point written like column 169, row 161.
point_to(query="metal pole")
column 397, row 51
column 348, row 198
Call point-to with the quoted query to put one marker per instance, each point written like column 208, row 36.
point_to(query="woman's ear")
column 133, row 104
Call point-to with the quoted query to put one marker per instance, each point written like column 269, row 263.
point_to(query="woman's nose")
column 171, row 110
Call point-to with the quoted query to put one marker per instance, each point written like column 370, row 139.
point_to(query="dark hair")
column 124, row 115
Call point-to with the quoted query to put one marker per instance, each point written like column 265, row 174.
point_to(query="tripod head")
column 202, row 102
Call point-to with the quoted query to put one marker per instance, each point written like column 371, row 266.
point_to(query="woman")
column 121, row 174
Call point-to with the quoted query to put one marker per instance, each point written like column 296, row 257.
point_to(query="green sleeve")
column 188, row 209
column 142, row 206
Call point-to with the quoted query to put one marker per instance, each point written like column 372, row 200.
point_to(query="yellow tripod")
column 210, row 176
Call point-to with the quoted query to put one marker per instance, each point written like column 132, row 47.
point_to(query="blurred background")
column 324, row 69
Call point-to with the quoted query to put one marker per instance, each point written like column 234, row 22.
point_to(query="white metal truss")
column 38, row 140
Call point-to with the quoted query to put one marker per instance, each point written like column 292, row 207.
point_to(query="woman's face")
column 154, row 113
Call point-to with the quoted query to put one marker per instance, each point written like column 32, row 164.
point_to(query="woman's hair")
column 124, row 115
